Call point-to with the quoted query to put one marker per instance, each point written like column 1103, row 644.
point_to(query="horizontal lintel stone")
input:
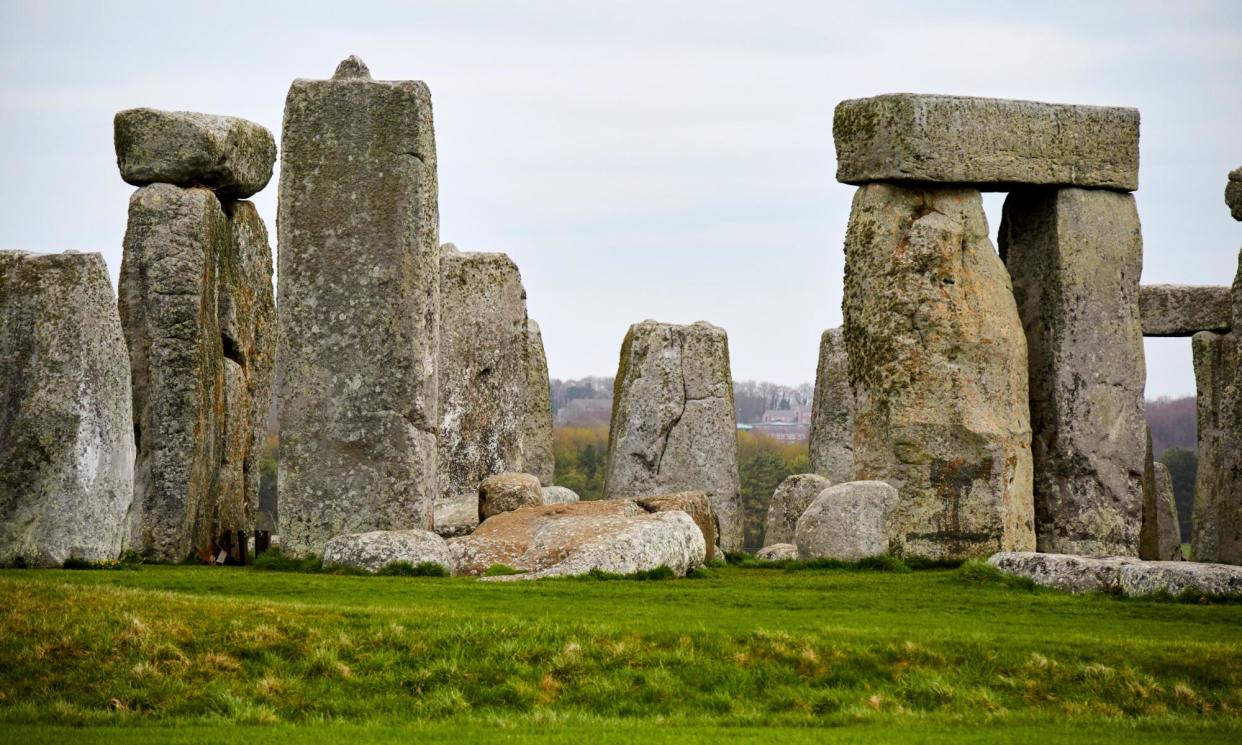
column 986, row 143
column 1184, row 310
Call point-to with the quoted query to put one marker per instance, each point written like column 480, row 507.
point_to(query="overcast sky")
column 667, row 160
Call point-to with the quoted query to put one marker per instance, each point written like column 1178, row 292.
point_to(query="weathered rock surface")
column 832, row 411
column 505, row 492
column 696, row 504
column 673, row 423
column 558, row 540
column 778, row 552
column 66, row 434
column 1121, row 574
column 848, row 521
column 985, row 142
column 1075, row 256
column 168, row 299
column 456, row 516
column 1233, row 193
column 788, row 503
column 375, row 550
column 537, row 457
column 483, row 348
column 230, row 156
column 938, row 365
column 1216, row 532
column 1184, row 310
column 1065, row 572
column 359, row 309
column 559, row 495
column 1160, row 538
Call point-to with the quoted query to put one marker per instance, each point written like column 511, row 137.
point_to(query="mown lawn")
column 177, row 654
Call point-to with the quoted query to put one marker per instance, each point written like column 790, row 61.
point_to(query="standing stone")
column 1216, row 532
column 673, row 423
column 832, row 411
column 938, row 364
column 168, row 309
column 359, row 308
column 66, row 436
column 1233, row 193
column 788, row 503
column 1160, row 538
column 984, row 142
column 483, row 372
column 1075, row 256
column 537, row 455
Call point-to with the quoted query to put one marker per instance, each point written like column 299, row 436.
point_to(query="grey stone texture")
column 987, row 143
column 848, row 522
column 168, row 307
column 778, row 552
column 504, row 492
column 832, row 411
column 789, row 501
column 1216, row 530
column 1233, row 193
column 559, row 495
column 230, row 156
column 1185, row 310
column 537, row 456
column 1075, row 256
column 483, row 373
column 457, row 516
column 200, row 324
column 372, row 551
column 696, row 504
column 938, row 366
column 1160, row 538
column 1121, row 574
column 359, row 309
column 617, row 536
column 673, row 423
column 66, row 434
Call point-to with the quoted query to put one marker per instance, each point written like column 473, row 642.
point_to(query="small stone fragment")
column 537, row 456
column 66, row 435
column 559, row 495
column 230, row 156
column 778, row 552
column 789, row 501
column 832, row 411
column 352, row 67
column 371, row 552
column 505, row 492
column 847, row 522
column 987, row 143
column 673, row 422
column 1185, row 310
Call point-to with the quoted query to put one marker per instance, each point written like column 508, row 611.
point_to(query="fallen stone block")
column 987, row 143
column 696, row 504
column 508, row 491
column 849, row 521
column 66, row 435
column 1176, row 577
column 559, row 495
column 232, row 157
column 457, row 515
column 778, row 552
column 789, row 501
column 371, row 552
column 1184, row 310
column 1075, row 574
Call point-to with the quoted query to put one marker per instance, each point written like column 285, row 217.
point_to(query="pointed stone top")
column 352, row 67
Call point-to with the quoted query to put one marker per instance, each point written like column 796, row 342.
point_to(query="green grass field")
column 177, row 654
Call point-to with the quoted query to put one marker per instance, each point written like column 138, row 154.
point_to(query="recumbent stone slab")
column 673, row 423
column 66, row 434
column 938, row 366
column 231, row 156
column 987, row 143
column 359, row 309
column 831, row 450
column 1185, row 310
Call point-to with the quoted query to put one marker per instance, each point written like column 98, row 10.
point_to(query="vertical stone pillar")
column 1160, row 538
column 937, row 362
column 1075, row 256
column 482, row 370
column 1216, row 532
column 537, row 456
column 359, row 308
column 66, row 435
column 673, row 426
column 832, row 411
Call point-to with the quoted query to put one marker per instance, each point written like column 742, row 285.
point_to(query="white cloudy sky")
column 668, row 160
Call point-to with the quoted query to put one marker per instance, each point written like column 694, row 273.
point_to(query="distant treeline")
column 750, row 398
